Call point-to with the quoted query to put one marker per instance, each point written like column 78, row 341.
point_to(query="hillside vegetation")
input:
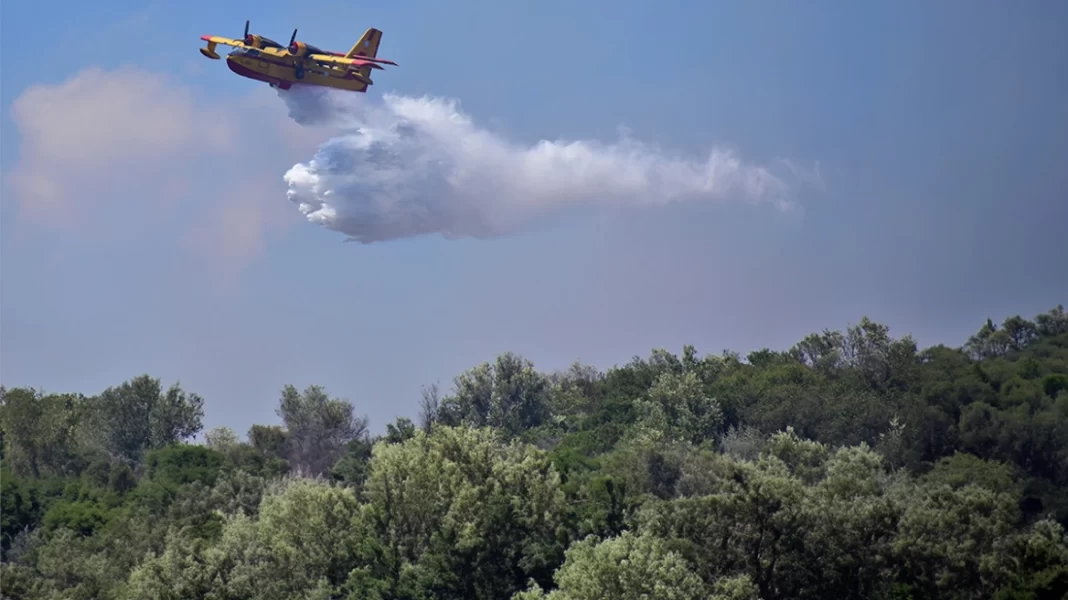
column 853, row 465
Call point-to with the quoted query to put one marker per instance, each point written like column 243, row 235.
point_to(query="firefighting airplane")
column 264, row 59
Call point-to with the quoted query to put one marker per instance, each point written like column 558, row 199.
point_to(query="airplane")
column 263, row 59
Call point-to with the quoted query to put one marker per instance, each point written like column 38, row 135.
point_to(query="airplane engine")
column 255, row 41
column 258, row 41
column 301, row 49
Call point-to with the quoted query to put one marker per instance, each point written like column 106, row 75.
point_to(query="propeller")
column 258, row 41
column 293, row 47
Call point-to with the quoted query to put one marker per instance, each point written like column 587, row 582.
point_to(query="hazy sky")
column 146, row 228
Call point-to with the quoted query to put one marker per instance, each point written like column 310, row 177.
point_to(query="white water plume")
column 412, row 166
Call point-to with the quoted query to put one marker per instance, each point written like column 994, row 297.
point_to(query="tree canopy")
column 851, row 465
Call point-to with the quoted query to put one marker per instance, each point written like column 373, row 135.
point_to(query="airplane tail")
column 367, row 45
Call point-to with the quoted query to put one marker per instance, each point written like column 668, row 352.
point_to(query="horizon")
column 445, row 391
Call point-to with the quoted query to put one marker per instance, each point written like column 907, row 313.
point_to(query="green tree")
column 461, row 514
column 39, row 436
column 508, row 394
column 317, row 428
column 628, row 567
column 140, row 415
column 678, row 408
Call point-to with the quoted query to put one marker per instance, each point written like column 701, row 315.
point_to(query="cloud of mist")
column 406, row 166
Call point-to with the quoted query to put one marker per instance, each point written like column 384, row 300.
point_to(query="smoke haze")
column 406, row 166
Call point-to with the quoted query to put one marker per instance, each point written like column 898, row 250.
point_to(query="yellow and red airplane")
column 264, row 59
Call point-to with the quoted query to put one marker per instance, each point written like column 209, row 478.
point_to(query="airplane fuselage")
column 284, row 72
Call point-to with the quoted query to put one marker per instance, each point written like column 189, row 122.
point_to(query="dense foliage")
column 852, row 465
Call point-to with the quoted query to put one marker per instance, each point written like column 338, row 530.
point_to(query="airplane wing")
column 375, row 59
column 214, row 39
column 223, row 40
column 372, row 59
column 341, row 60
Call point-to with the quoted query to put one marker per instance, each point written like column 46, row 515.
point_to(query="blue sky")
column 940, row 130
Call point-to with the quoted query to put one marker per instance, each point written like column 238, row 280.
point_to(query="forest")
column 852, row 465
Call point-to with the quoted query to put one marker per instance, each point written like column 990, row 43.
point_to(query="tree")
column 399, row 431
column 463, row 513
column 1053, row 322
column 628, row 567
column 678, row 407
column 880, row 361
column 317, row 428
column 1020, row 332
column 139, row 415
column 508, row 394
column 299, row 545
column 39, row 430
column 267, row 439
column 221, row 439
column 822, row 352
column 429, row 407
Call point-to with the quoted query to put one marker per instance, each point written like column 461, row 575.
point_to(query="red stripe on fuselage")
column 244, row 71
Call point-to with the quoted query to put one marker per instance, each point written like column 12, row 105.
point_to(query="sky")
column 145, row 225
